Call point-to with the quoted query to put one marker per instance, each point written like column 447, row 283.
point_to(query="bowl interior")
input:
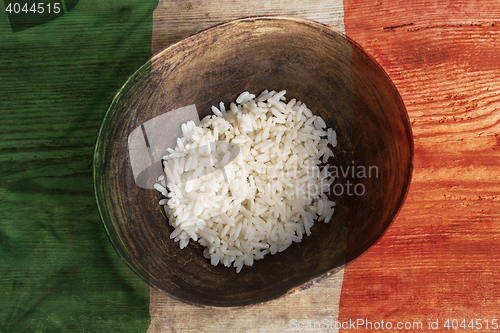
column 316, row 65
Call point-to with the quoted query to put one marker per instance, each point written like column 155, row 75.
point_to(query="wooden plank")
column 173, row 20
column 58, row 269
column 437, row 260
column 317, row 303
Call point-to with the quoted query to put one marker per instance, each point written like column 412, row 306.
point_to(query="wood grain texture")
column 310, row 305
column 177, row 19
column 217, row 65
column 438, row 259
column 58, row 270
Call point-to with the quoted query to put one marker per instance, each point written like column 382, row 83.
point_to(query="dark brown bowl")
column 315, row 64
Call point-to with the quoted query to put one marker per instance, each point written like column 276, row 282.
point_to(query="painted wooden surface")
column 439, row 259
column 58, row 270
column 282, row 315
column 173, row 21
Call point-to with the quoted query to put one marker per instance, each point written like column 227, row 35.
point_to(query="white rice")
column 243, row 204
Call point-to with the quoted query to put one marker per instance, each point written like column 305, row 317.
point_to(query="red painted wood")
column 439, row 259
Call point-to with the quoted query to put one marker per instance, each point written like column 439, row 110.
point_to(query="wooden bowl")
column 316, row 65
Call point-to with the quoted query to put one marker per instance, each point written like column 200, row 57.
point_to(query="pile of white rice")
column 256, row 191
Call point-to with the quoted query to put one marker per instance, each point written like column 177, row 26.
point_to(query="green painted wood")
column 58, row 270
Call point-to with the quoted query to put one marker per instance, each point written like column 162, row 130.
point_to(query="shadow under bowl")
column 315, row 64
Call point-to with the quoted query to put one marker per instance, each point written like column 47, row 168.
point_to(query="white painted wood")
column 172, row 21
column 318, row 304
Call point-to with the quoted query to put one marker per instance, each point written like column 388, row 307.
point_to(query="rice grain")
column 241, row 207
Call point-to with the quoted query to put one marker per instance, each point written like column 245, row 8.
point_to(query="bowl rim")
column 282, row 18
